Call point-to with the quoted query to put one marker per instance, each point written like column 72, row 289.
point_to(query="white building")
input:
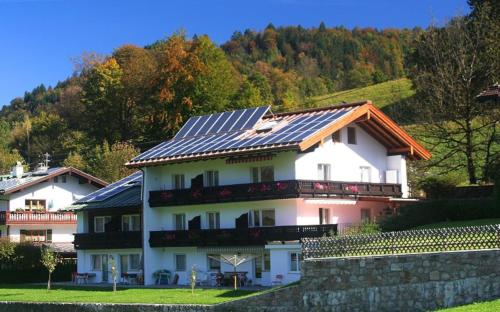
column 253, row 183
column 33, row 204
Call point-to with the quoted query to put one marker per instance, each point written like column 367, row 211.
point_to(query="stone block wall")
column 414, row 282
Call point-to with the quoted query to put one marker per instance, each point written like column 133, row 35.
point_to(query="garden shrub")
column 439, row 186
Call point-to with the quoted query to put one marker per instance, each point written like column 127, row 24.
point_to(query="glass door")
column 104, row 268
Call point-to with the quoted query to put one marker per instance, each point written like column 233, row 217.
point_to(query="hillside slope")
column 381, row 94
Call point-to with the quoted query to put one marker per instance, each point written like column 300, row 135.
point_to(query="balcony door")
column 324, row 216
column 104, row 268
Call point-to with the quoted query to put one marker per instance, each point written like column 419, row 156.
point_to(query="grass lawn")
column 477, row 307
column 381, row 94
column 123, row 295
column 459, row 224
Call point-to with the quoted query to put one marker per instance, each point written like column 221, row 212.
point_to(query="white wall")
column 160, row 177
column 280, row 262
column 345, row 159
column 84, row 263
column 61, row 233
column 57, row 195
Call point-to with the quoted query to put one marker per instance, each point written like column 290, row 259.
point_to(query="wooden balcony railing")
column 271, row 190
column 238, row 237
column 29, row 217
column 108, row 240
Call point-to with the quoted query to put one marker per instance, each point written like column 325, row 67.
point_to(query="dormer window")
column 351, row 135
column 336, row 137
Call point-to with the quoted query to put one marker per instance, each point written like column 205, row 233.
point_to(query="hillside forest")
column 115, row 106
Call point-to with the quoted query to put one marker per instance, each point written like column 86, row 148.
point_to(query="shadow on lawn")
column 236, row 293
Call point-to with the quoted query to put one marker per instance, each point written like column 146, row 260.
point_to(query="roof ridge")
column 319, row 109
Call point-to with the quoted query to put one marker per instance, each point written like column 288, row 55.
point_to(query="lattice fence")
column 416, row 241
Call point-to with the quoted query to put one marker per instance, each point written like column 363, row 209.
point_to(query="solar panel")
column 114, row 188
column 293, row 129
column 242, row 119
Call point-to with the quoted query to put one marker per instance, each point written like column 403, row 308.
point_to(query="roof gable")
column 289, row 131
column 13, row 185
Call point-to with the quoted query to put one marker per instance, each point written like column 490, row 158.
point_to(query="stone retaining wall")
column 415, row 282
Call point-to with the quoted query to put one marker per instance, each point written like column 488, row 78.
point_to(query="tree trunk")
column 48, row 282
column 471, row 168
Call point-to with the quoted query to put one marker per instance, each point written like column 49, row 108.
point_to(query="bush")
column 438, row 187
column 363, row 228
column 24, row 266
column 440, row 210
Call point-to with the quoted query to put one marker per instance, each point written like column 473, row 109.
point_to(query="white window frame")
column 92, row 259
column 324, row 172
column 211, row 178
column 184, row 225
column 298, row 254
column 178, row 181
column 138, row 268
column 322, row 215
column 252, row 214
column 209, row 260
column 256, row 174
column 130, row 218
column 366, row 169
column 103, row 223
column 369, row 214
column 216, row 221
column 175, row 262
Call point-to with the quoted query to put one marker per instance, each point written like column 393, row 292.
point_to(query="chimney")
column 18, row 170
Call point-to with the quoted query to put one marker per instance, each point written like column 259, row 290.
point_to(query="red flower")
column 166, row 195
column 225, row 192
column 352, row 187
column 196, row 194
column 319, row 186
column 281, row 186
column 265, row 188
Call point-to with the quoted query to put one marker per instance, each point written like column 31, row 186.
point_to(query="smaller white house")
column 33, row 205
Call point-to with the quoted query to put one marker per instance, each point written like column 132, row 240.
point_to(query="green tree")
column 76, row 161
column 108, row 163
column 49, row 260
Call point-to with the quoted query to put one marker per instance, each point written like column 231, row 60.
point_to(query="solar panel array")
column 114, row 188
column 295, row 129
column 242, row 119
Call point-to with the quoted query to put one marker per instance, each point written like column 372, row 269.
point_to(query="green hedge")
column 37, row 274
column 441, row 210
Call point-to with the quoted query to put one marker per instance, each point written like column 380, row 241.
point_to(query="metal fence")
column 404, row 242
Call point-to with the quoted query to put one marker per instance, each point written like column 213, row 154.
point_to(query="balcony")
column 30, row 217
column 271, row 190
column 238, row 237
column 108, row 240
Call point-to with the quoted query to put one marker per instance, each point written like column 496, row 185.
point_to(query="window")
column 365, row 174
column 261, row 218
column 134, row 262
column 180, row 221
column 178, row 181
column 213, row 264
column 96, row 262
column 131, row 223
column 211, row 178
column 351, row 135
column 262, row 174
column 100, row 223
column 258, row 267
column 295, row 258
column 324, row 216
column 35, row 204
column 213, row 220
column 365, row 215
column 123, row 263
column 56, row 179
column 268, row 218
column 180, row 263
column 63, row 178
column 336, row 137
column 36, row 236
column 324, row 172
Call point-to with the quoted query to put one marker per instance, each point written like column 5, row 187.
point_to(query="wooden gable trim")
column 381, row 127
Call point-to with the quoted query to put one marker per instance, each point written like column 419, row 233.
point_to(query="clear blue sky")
column 38, row 38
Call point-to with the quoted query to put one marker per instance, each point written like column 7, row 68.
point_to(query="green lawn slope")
column 381, row 94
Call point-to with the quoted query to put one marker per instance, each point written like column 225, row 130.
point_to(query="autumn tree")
column 49, row 260
column 108, row 163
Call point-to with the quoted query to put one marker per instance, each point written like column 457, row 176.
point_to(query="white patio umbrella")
column 234, row 261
